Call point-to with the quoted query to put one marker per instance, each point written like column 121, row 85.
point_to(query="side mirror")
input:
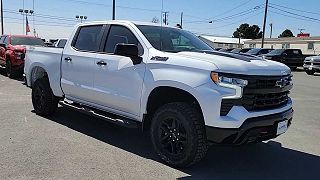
column 128, row 50
column 3, row 45
column 284, row 54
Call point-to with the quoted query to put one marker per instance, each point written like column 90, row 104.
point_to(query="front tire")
column 178, row 134
column 310, row 72
column 10, row 72
column 43, row 100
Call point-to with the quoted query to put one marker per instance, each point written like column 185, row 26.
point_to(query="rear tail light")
column 19, row 55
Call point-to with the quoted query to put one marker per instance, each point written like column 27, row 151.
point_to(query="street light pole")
column 271, row 29
column 2, row 28
column 264, row 22
column 114, row 10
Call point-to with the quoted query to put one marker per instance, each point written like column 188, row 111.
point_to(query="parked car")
column 183, row 93
column 290, row 57
column 312, row 64
column 226, row 50
column 12, row 52
column 244, row 50
column 60, row 43
column 259, row 51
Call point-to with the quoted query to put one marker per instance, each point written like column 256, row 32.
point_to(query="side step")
column 115, row 119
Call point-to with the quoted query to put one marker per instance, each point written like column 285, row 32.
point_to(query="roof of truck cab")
column 124, row 21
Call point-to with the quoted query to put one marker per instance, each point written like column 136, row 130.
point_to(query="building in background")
column 308, row 45
column 223, row 42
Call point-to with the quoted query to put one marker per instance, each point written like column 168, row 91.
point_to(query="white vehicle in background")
column 312, row 64
column 166, row 81
column 60, row 43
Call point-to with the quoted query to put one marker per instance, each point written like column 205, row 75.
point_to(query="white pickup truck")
column 165, row 80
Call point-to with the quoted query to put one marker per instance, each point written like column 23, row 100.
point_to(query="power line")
column 62, row 23
column 228, row 11
column 309, row 12
column 294, row 17
column 233, row 16
column 288, row 12
column 42, row 15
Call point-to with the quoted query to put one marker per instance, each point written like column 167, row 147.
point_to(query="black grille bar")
column 261, row 93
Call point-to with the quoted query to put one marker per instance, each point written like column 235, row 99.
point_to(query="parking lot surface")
column 71, row 145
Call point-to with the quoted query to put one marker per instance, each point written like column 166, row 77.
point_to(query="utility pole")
column 264, row 22
column 271, row 29
column 181, row 19
column 2, row 29
column 114, row 10
column 34, row 28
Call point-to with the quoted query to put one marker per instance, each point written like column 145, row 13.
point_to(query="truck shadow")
column 262, row 161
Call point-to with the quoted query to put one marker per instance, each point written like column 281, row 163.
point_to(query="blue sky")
column 55, row 18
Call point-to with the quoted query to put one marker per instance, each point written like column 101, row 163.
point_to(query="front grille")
column 261, row 93
column 253, row 102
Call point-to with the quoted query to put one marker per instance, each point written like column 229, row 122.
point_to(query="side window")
column 118, row 35
column 88, row 38
column 62, row 43
column 6, row 40
column 2, row 39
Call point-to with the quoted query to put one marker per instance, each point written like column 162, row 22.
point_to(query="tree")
column 286, row 33
column 155, row 20
column 248, row 32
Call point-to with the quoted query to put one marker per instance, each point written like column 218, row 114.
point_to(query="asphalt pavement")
column 71, row 145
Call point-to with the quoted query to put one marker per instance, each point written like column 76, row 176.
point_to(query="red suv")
column 12, row 52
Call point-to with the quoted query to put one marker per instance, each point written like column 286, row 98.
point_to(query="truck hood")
column 313, row 58
column 238, row 64
column 20, row 48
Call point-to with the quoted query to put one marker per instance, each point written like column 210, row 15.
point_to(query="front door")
column 117, row 81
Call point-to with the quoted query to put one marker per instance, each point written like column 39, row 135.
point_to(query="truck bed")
column 48, row 58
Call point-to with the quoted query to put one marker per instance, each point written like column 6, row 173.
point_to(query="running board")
column 115, row 119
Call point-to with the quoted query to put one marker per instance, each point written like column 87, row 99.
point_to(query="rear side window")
column 293, row 52
column 88, row 38
column 62, row 43
column 6, row 40
column 121, row 35
column 2, row 39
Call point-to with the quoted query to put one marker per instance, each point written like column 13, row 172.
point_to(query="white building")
column 223, row 42
column 308, row 45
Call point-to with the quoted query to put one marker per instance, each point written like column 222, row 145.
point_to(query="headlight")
column 232, row 83
column 227, row 81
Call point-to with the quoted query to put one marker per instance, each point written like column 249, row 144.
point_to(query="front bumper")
column 252, row 130
column 312, row 66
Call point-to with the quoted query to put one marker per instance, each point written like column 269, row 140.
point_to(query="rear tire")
column 43, row 100
column 310, row 72
column 178, row 134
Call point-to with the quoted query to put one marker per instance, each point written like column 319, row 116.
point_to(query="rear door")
column 118, row 82
column 293, row 57
column 78, row 63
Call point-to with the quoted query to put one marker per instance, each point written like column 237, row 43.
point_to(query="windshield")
column 253, row 51
column 26, row 41
column 276, row 52
column 172, row 39
column 236, row 51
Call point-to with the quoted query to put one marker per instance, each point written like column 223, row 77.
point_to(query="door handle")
column 68, row 59
column 101, row 63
